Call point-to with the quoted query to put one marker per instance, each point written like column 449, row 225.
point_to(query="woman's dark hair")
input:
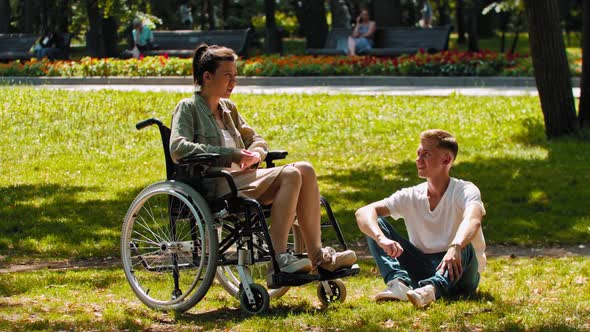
column 207, row 58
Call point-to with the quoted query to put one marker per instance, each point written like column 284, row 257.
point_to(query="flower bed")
column 447, row 63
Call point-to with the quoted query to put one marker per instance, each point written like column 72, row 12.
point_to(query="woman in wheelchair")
column 210, row 123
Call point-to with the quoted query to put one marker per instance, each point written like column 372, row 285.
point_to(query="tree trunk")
column 387, row 13
column 443, row 13
column 4, row 16
column 26, row 17
column 64, row 12
column 272, row 40
column 460, row 16
column 551, row 67
column 94, row 37
column 340, row 14
column 224, row 11
column 101, row 37
column 311, row 15
column 211, row 14
column 473, row 38
column 584, row 109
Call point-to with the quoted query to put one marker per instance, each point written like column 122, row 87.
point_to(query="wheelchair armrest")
column 271, row 156
column 199, row 159
column 228, row 178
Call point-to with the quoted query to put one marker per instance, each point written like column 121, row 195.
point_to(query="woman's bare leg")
column 308, row 210
column 351, row 46
column 283, row 194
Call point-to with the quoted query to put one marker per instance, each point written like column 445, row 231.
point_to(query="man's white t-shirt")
column 433, row 231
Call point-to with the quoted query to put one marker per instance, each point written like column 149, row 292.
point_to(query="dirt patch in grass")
column 362, row 252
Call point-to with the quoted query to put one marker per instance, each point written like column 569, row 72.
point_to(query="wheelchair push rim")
column 169, row 246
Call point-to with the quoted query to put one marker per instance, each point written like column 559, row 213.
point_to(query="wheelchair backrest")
column 165, row 135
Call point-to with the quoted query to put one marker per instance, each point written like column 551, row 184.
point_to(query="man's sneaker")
column 395, row 291
column 329, row 259
column 421, row 297
column 289, row 263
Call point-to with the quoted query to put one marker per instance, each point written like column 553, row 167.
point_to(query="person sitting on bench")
column 361, row 39
column 143, row 38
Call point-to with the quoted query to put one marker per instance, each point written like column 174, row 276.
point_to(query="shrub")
column 447, row 63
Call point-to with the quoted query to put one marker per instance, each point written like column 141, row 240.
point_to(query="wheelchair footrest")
column 292, row 279
column 327, row 275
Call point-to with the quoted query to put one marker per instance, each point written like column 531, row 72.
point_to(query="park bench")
column 16, row 46
column 390, row 41
column 336, row 43
column 395, row 41
column 182, row 43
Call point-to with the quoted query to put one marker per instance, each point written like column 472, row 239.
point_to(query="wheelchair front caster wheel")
column 336, row 291
column 261, row 300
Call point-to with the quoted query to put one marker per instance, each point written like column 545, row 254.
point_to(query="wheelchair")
column 176, row 240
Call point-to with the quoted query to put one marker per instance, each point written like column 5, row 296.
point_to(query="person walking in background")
column 361, row 39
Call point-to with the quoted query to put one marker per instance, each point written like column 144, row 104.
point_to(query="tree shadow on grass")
column 528, row 201
column 54, row 221
column 222, row 315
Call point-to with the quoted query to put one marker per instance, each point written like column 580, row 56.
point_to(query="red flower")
column 166, row 56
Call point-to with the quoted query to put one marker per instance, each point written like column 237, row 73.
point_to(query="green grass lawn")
column 514, row 295
column 72, row 162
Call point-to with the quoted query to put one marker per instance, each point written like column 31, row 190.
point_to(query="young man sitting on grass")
column 445, row 250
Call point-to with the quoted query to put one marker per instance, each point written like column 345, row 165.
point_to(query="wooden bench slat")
column 182, row 43
column 16, row 46
column 391, row 41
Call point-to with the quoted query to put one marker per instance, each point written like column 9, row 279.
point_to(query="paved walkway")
column 331, row 90
column 378, row 85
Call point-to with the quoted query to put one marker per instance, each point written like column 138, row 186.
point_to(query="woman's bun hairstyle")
column 207, row 58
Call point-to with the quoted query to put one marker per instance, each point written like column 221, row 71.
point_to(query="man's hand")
column 452, row 263
column 390, row 247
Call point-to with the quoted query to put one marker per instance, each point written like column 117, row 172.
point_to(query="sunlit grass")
column 72, row 162
column 515, row 294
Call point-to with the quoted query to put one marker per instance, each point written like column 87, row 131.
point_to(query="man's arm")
column 468, row 228
column 366, row 218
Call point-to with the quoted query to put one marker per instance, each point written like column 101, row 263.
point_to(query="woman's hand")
column 248, row 158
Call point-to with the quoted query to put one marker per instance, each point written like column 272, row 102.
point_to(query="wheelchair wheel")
column 261, row 300
column 169, row 246
column 228, row 277
column 337, row 288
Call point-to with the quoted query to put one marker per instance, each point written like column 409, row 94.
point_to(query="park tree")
column 550, row 64
column 101, row 36
column 311, row 15
column 341, row 14
column 272, row 38
column 584, row 107
column 5, row 16
column 387, row 12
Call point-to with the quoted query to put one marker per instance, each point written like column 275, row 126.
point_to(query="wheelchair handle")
column 145, row 123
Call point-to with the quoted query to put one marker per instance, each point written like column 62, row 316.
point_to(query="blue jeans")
column 418, row 269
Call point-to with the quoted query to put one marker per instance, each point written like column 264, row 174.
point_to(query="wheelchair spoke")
column 169, row 247
column 144, row 225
